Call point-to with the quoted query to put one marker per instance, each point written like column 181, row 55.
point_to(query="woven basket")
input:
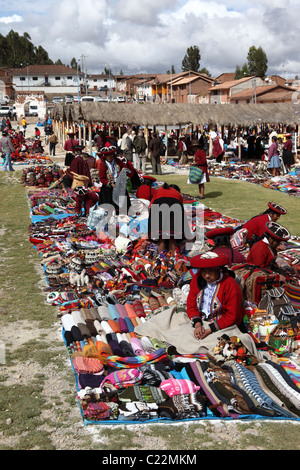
column 79, row 180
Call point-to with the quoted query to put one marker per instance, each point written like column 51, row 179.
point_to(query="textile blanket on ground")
column 174, row 327
column 131, row 345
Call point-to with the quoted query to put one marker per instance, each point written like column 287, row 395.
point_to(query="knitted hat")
column 277, row 208
column 276, row 231
column 220, row 231
column 209, row 259
column 108, row 149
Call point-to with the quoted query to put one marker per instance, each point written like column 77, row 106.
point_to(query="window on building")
column 35, row 78
column 69, row 78
column 22, row 79
column 57, row 78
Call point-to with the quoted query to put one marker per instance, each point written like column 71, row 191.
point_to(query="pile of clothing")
column 102, row 294
column 256, row 172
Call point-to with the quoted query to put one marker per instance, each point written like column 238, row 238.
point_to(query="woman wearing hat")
column 256, row 226
column 264, row 252
column 201, row 162
column 69, row 147
column 273, row 155
column 221, row 241
column 110, row 167
column 78, row 167
column 215, row 298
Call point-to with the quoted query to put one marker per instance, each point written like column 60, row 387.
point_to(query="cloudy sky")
column 149, row 36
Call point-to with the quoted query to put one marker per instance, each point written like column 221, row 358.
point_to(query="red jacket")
column 166, row 193
column 257, row 225
column 79, row 166
column 201, row 162
column 69, row 144
column 226, row 305
column 261, row 254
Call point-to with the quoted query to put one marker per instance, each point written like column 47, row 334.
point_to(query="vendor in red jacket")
column 264, row 252
column 215, row 298
column 146, row 191
column 256, row 226
column 220, row 238
column 201, row 162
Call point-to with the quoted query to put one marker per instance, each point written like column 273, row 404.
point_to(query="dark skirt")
column 288, row 157
column 106, row 198
column 167, row 219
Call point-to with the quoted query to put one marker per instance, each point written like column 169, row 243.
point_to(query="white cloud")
column 11, row 19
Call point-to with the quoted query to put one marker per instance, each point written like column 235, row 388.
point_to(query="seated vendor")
column 256, row 225
column 215, row 300
column 221, row 241
column 264, row 252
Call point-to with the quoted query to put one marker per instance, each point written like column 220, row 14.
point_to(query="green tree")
column 257, row 62
column 241, row 72
column 172, row 71
column 73, row 63
column 191, row 60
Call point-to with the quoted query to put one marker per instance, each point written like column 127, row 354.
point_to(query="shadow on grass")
column 213, row 195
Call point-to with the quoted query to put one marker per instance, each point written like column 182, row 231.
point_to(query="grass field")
column 38, row 408
column 242, row 200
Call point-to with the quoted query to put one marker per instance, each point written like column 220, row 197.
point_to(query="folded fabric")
column 84, row 330
column 114, row 314
column 90, row 380
column 106, row 327
column 98, row 327
column 130, row 362
column 138, row 308
column 67, row 321
column 129, row 324
column 126, row 349
column 87, row 365
column 147, row 345
column 123, row 326
column 115, row 347
column 115, row 326
column 178, row 387
column 130, row 310
column 97, row 411
column 77, row 317
column 121, row 310
column 104, row 313
column 86, row 314
column 104, row 351
column 180, row 407
column 144, row 394
column 137, row 347
column 123, row 378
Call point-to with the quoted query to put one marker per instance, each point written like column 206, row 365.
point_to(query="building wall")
column 23, row 82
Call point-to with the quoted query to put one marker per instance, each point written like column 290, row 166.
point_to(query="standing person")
column 287, row 153
column 110, row 167
column 52, row 140
column 37, row 133
column 273, row 156
column 155, row 148
column 183, row 151
column 127, row 145
column 201, row 162
column 140, row 146
column 69, row 147
column 24, row 125
column 218, row 150
column 6, row 147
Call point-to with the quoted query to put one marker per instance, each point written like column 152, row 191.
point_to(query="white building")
column 96, row 82
column 52, row 79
